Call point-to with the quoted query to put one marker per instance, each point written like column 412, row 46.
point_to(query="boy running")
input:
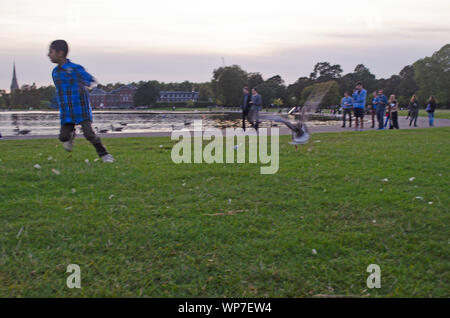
column 71, row 82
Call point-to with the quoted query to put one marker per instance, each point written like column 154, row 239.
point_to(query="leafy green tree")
column 360, row 74
column 254, row 79
column 271, row 89
column 432, row 75
column 407, row 86
column 324, row 71
column 227, row 83
column 147, row 94
column 278, row 102
column 205, row 92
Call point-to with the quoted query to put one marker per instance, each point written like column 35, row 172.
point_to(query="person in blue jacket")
column 381, row 102
column 347, row 105
column 359, row 102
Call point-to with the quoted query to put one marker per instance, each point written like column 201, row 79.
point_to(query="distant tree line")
column 425, row 77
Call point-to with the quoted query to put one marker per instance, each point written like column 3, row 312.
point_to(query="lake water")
column 47, row 122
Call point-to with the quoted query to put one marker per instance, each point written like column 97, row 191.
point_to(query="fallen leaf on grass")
column 20, row 232
column 411, row 179
column 56, row 171
column 227, row 213
column 37, row 166
column 385, row 180
column 314, row 251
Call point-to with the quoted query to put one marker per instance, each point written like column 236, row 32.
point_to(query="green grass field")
column 140, row 227
column 439, row 113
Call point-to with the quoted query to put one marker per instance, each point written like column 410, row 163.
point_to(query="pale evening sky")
column 177, row 40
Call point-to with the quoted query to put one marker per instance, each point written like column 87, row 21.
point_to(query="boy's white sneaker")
column 68, row 145
column 107, row 158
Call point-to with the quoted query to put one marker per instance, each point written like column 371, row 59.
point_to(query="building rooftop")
column 177, row 92
column 98, row 91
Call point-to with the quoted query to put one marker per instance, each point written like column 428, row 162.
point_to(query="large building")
column 98, row 98
column 14, row 83
column 178, row 96
column 122, row 97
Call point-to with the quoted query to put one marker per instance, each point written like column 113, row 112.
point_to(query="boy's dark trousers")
column 380, row 116
column 244, row 117
column 68, row 129
column 413, row 115
column 349, row 112
column 394, row 122
column 373, row 112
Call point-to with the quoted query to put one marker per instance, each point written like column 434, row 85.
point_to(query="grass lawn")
column 439, row 113
column 139, row 227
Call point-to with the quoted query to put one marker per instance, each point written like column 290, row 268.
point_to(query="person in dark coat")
column 256, row 105
column 413, row 108
column 245, row 106
column 431, row 107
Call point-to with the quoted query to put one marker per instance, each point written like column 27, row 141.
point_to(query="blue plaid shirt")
column 71, row 82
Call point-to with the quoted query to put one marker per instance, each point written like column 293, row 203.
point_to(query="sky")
column 175, row 40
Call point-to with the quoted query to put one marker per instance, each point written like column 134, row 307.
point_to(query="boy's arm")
column 364, row 96
column 84, row 77
column 54, row 102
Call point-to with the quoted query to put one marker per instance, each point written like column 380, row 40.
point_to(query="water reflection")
column 47, row 122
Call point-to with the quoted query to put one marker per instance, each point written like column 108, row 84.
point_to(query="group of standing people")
column 383, row 109
column 355, row 103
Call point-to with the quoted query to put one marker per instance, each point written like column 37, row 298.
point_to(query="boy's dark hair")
column 60, row 45
column 359, row 83
column 245, row 87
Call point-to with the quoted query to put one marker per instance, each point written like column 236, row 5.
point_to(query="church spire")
column 14, row 84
